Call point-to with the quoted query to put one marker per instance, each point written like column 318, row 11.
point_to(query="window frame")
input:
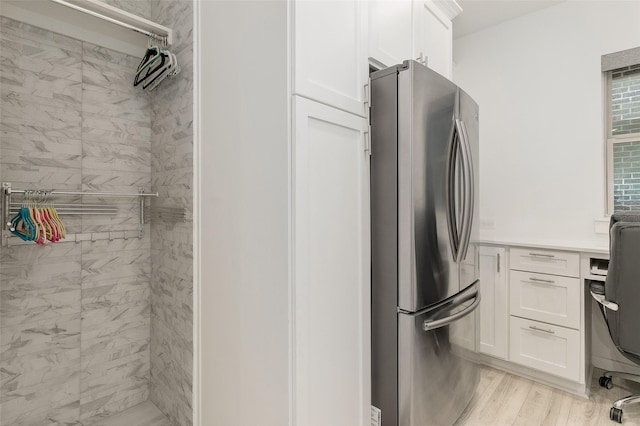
column 611, row 140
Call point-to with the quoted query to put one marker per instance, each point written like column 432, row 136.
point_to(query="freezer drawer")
column 437, row 375
column 548, row 298
column 545, row 347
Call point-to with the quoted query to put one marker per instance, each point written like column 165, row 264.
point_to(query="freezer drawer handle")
column 428, row 325
column 533, row 327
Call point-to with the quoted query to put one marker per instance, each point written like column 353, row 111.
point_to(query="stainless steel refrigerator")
column 424, row 207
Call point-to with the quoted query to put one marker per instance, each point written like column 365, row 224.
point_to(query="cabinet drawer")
column 548, row 348
column 548, row 298
column 545, row 261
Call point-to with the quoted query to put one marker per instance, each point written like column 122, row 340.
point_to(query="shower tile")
column 109, row 77
column 135, row 128
column 32, row 405
column 12, row 316
column 13, row 380
column 16, row 47
column 34, row 354
column 30, row 83
column 109, row 58
column 28, row 32
column 125, row 181
column 114, row 104
column 73, row 315
column 113, row 136
column 26, row 255
column 98, row 377
column 25, row 98
column 112, row 292
column 42, row 126
column 95, row 316
column 113, row 328
column 108, row 265
column 140, row 8
column 90, row 299
column 115, row 157
column 129, row 336
column 25, row 177
column 38, row 145
column 178, row 14
column 114, row 285
column 45, row 61
column 170, row 154
column 48, row 121
column 43, row 273
column 91, row 361
column 13, row 301
column 174, row 396
column 98, row 411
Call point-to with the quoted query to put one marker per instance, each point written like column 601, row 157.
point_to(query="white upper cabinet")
column 418, row 29
column 330, row 55
column 433, row 34
column 390, row 32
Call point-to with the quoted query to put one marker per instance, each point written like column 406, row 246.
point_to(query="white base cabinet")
column 331, row 268
column 547, row 298
column 494, row 313
column 545, row 347
column 532, row 314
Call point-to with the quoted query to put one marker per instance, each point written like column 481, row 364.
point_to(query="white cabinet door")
column 545, row 347
column 330, row 54
column 432, row 37
column 331, row 267
column 494, row 314
column 390, row 31
column 547, row 298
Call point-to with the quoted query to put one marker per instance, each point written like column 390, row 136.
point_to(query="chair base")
column 605, row 381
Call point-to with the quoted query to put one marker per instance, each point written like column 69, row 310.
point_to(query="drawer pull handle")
column 542, row 255
column 540, row 280
column 533, row 327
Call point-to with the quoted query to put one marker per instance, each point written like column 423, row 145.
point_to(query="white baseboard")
column 575, row 388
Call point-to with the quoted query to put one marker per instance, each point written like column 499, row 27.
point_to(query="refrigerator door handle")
column 450, row 191
column 469, row 186
column 430, row 324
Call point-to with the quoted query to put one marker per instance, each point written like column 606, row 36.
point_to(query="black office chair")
column 619, row 299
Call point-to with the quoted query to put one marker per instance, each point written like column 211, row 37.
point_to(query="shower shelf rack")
column 9, row 208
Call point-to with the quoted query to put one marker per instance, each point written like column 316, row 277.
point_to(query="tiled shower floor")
column 145, row 414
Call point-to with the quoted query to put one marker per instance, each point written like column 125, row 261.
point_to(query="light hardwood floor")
column 145, row 414
column 505, row 399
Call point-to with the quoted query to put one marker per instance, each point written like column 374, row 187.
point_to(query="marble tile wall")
column 74, row 318
column 171, row 243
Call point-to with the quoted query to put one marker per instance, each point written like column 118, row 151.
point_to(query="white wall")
column 244, row 177
column 538, row 82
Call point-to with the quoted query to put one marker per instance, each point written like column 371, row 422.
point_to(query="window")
column 623, row 138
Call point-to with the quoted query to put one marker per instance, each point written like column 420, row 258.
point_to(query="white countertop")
column 600, row 245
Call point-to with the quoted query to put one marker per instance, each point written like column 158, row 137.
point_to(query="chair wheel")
column 605, row 382
column 615, row 414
